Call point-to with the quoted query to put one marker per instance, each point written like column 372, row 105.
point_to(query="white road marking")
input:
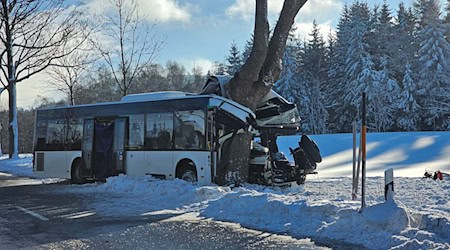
column 77, row 215
column 32, row 213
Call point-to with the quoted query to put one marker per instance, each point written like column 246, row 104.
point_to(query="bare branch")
column 39, row 29
column 133, row 44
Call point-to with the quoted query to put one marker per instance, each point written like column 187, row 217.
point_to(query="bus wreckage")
column 169, row 135
column 274, row 116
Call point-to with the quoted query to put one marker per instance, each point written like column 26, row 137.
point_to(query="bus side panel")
column 55, row 164
column 201, row 160
column 160, row 163
column 134, row 163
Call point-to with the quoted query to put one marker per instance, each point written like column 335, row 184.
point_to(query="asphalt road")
column 33, row 216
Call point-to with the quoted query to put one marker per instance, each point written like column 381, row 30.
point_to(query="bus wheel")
column 187, row 173
column 76, row 177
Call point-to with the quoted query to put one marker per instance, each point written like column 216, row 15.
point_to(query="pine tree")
column 340, row 111
column 284, row 86
column 247, row 49
column 234, row 62
column 434, row 74
column 287, row 84
column 382, row 36
column 447, row 20
column 330, row 83
column 382, row 98
column 447, row 8
column 405, row 44
column 409, row 115
column 359, row 66
column 314, row 77
column 383, row 85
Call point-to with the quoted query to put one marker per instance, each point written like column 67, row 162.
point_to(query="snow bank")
column 309, row 211
column 23, row 167
column 377, row 223
column 147, row 195
column 19, row 167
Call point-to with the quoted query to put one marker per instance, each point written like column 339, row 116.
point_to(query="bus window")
column 136, row 132
column 41, row 135
column 190, row 129
column 75, row 133
column 159, row 131
column 56, row 131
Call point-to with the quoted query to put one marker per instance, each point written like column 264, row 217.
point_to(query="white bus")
column 164, row 134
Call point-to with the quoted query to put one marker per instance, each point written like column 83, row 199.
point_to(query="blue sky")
column 200, row 32
column 207, row 32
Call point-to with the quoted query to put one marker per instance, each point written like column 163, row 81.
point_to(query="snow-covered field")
column 322, row 209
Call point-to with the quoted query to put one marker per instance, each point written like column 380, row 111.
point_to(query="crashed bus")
column 167, row 135
column 274, row 116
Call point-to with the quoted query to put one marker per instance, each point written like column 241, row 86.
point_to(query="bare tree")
column 66, row 77
column 133, row 44
column 256, row 78
column 31, row 34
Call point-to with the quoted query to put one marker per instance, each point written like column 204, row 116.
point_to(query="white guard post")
column 389, row 184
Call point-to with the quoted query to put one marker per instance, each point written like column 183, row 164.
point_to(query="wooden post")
column 354, row 162
column 363, row 146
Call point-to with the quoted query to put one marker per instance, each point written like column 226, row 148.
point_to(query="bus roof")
column 230, row 106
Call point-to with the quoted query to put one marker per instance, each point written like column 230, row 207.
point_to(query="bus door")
column 87, row 147
column 103, row 157
column 119, row 145
column 212, row 142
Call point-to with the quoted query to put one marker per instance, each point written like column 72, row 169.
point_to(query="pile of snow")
column 23, row 167
column 19, row 167
column 322, row 209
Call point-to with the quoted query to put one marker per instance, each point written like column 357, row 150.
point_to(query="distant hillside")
column 409, row 153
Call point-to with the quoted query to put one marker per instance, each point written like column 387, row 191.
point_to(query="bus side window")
column 159, row 131
column 74, row 134
column 56, row 134
column 41, row 134
column 136, row 132
column 190, row 130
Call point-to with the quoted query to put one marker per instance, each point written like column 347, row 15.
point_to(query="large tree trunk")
column 13, row 124
column 257, row 76
column 237, row 155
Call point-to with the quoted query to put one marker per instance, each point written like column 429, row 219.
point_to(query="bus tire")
column 75, row 175
column 186, row 171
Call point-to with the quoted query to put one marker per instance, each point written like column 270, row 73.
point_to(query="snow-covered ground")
column 322, row 209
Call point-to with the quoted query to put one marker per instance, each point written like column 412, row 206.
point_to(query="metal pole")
column 363, row 146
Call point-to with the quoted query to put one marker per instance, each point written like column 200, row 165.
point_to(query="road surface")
column 34, row 216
